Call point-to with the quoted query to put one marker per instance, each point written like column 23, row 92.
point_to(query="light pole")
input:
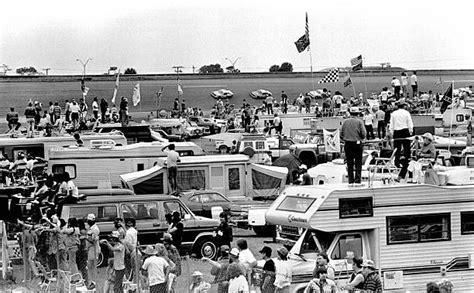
column 84, row 64
column 233, row 63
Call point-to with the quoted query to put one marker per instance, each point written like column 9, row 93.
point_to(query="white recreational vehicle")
column 40, row 145
column 415, row 233
column 102, row 164
column 232, row 175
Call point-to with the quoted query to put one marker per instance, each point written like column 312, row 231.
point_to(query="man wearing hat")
column 118, row 249
column 283, row 273
column 401, row 126
column 198, row 284
column 157, row 270
column 304, row 178
column 428, row 150
column 372, row 279
column 268, row 275
column 173, row 253
column 93, row 249
column 219, row 269
column 353, row 133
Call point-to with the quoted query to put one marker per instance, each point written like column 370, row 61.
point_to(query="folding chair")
column 49, row 279
column 383, row 164
column 69, row 282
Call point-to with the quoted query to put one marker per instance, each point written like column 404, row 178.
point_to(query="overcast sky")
column 153, row 36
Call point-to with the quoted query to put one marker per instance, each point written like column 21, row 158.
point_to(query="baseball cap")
column 235, row 252
column 225, row 248
column 368, row 264
column 91, row 217
column 283, row 251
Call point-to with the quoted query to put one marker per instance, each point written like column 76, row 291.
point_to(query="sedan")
column 260, row 94
column 222, row 94
column 201, row 202
column 315, row 94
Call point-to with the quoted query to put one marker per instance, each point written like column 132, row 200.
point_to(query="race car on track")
column 222, row 94
column 315, row 94
column 260, row 94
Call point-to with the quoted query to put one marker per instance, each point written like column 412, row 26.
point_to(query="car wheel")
column 223, row 149
column 103, row 256
column 206, row 248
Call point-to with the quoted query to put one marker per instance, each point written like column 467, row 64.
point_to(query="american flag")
column 356, row 63
column 332, row 76
column 303, row 42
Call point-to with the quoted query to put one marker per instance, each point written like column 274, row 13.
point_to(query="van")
column 149, row 212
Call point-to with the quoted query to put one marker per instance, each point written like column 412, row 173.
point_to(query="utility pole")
column 47, row 70
column 84, row 64
column 178, row 69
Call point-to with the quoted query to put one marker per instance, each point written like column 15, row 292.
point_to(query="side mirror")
column 187, row 216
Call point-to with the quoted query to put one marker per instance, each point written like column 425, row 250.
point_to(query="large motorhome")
column 102, row 165
column 415, row 233
column 39, row 146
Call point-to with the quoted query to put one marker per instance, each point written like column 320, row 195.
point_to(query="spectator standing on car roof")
column 172, row 160
column 223, row 233
column 284, row 102
column 269, row 104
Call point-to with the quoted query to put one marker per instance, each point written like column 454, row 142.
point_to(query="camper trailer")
column 415, row 233
column 102, row 164
column 39, row 146
column 232, row 175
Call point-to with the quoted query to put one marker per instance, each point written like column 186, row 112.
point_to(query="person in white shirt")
column 396, row 87
column 404, row 79
column 172, row 161
column 283, row 273
column 237, row 281
column 369, row 124
column 414, row 83
column 130, row 241
column 246, row 258
column 401, row 127
column 95, row 108
column 157, row 270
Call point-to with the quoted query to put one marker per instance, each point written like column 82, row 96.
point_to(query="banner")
column 136, row 95
column 332, row 141
column 348, row 81
column 447, row 99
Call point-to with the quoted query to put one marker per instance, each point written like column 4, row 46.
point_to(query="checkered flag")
column 332, row 76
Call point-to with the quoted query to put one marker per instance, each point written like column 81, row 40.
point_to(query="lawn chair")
column 383, row 164
column 68, row 282
column 49, row 280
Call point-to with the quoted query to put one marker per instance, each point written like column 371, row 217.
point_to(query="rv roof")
column 212, row 159
column 122, row 198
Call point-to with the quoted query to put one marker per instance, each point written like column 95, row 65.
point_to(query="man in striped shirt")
column 372, row 281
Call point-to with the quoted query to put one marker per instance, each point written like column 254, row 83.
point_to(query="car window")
column 212, row 197
column 194, row 198
column 140, row 211
column 104, row 213
column 174, row 206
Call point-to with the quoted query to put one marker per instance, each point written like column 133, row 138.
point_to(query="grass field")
column 196, row 91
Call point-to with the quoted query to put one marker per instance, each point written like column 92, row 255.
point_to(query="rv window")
column 348, row 246
column 467, row 223
column 103, row 213
column 355, row 207
column 418, row 228
column 191, row 179
column 60, row 169
column 141, row 211
column 234, row 178
column 260, row 145
column 296, row 204
column 248, row 144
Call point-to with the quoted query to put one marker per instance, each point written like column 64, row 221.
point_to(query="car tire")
column 103, row 257
column 223, row 149
column 206, row 248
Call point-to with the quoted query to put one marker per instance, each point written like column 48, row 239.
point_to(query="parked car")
column 210, row 125
column 193, row 130
column 170, row 137
column 149, row 212
column 222, row 94
column 315, row 94
column 206, row 202
column 260, row 94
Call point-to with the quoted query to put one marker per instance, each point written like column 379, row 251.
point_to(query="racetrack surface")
column 196, row 91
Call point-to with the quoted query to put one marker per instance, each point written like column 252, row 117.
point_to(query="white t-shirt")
column 246, row 258
column 131, row 238
column 395, row 82
column 172, row 159
column 95, row 106
column 155, row 266
column 72, row 189
column 276, row 121
column 404, row 80
column 74, row 108
column 413, row 79
column 283, row 273
column 238, row 285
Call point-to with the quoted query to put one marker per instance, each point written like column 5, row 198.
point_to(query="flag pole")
column 352, row 82
column 311, row 65
column 365, row 83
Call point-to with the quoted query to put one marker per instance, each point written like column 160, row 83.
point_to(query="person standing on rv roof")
column 103, row 110
column 414, row 83
column 12, row 119
column 95, row 108
column 353, row 133
column 401, row 126
column 172, row 160
column 284, row 102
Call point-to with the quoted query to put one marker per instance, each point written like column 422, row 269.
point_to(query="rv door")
column 217, row 179
column 346, row 246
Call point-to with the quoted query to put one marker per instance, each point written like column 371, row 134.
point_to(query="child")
column 110, row 275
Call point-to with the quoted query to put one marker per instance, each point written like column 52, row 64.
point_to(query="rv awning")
column 146, row 181
column 266, row 181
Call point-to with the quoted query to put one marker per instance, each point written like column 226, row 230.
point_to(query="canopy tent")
column 266, row 181
column 146, row 181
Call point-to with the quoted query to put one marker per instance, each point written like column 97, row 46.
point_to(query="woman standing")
column 71, row 241
column 237, row 283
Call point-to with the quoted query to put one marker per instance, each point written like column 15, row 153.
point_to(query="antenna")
column 47, row 70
